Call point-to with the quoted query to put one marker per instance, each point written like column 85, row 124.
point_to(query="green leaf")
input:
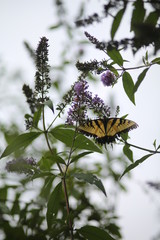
column 67, row 135
column 55, row 26
column 128, row 85
column 138, row 14
column 3, row 193
column 92, row 179
column 156, row 60
column 82, row 142
column 140, row 79
column 155, row 143
column 94, row 233
column 152, row 18
column 46, row 189
column 53, row 204
column 36, row 117
column 128, row 152
column 59, row 159
column 116, row 22
column 80, row 156
column 135, row 164
column 49, row 104
column 15, row 207
column 21, row 141
column 115, row 55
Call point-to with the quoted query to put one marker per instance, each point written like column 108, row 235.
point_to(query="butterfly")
column 106, row 130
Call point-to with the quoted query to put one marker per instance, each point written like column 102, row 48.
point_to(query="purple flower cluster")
column 21, row 165
column 99, row 107
column 108, row 78
column 81, row 96
column 82, row 101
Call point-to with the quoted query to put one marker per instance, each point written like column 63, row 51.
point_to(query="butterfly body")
column 106, row 130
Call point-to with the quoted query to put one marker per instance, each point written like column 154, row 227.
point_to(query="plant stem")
column 55, row 118
column 71, row 149
column 63, row 179
column 68, row 208
column 141, row 148
column 47, row 140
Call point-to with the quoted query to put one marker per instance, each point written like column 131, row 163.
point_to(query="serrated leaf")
column 128, row 152
column 94, row 233
column 66, row 136
column 135, row 164
column 53, row 204
column 21, row 141
column 115, row 55
column 80, row 156
column 140, row 79
column 128, row 85
column 49, row 104
column 92, row 179
column 116, row 22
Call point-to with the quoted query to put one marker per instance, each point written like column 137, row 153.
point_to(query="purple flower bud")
column 78, row 87
column 97, row 100
column 108, row 78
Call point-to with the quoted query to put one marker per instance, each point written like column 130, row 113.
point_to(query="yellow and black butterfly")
column 106, row 130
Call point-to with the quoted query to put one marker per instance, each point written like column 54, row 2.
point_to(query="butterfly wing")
column 94, row 128
column 115, row 126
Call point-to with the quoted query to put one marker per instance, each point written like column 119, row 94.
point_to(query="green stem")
column 56, row 118
column 67, row 206
column 47, row 140
column 71, row 150
column 63, row 178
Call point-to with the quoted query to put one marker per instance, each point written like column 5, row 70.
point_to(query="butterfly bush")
column 83, row 100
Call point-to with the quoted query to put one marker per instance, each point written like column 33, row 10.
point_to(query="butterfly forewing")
column 115, row 126
column 93, row 128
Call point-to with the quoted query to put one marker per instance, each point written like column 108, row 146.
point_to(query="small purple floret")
column 108, row 78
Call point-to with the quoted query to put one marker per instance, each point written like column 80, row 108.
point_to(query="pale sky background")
column 29, row 20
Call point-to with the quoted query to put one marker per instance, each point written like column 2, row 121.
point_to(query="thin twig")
column 141, row 148
column 71, row 149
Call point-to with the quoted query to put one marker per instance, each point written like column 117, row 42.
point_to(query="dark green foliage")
column 21, row 141
column 66, row 136
column 128, row 85
column 127, row 151
column 140, row 79
column 94, row 233
column 135, row 164
column 92, row 179
column 116, row 22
